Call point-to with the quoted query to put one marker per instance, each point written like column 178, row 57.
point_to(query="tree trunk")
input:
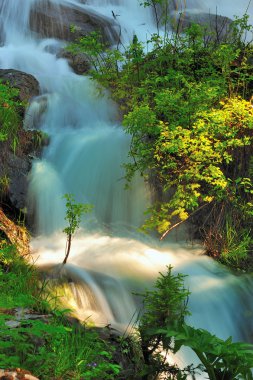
column 68, row 246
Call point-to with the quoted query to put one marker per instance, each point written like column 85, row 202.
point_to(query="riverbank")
column 39, row 335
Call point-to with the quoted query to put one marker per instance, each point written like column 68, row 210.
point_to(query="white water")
column 109, row 259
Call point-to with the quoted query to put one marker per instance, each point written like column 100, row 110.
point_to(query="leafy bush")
column 221, row 359
column 186, row 106
column 163, row 306
column 163, row 330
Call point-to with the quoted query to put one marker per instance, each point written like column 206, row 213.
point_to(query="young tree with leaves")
column 74, row 213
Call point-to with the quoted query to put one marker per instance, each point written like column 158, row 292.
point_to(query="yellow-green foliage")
column 186, row 106
column 199, row 161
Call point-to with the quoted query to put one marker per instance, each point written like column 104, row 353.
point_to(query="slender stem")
column 207, row 365
column 182, row 221
column 68, row 246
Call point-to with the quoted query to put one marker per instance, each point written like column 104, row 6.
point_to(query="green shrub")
column 163, row 330
column 186, row 105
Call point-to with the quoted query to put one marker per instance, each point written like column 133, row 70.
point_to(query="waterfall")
column 14, row 20
column 109, row 258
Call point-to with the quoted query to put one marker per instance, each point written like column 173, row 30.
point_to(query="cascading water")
column 87, row 147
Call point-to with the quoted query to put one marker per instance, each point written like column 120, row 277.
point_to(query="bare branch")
column 182, row 221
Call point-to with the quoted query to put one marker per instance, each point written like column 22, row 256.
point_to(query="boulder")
column 181, row 14
column 28, row 86
column 80, row 63
column 68, row 23
column 216, row 27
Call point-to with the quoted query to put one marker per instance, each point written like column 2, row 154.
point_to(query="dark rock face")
column 15, row 165
column 28, row 86
column 52, row 20
column 15, row 168
column 215, row 26
column 182, row 14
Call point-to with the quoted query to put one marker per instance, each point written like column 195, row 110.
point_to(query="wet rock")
column 28, row 86
column 68, row 23
column 16, row 170
column 78, row 62
column 15, row 166
column 21, row 314
column 16, row 161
